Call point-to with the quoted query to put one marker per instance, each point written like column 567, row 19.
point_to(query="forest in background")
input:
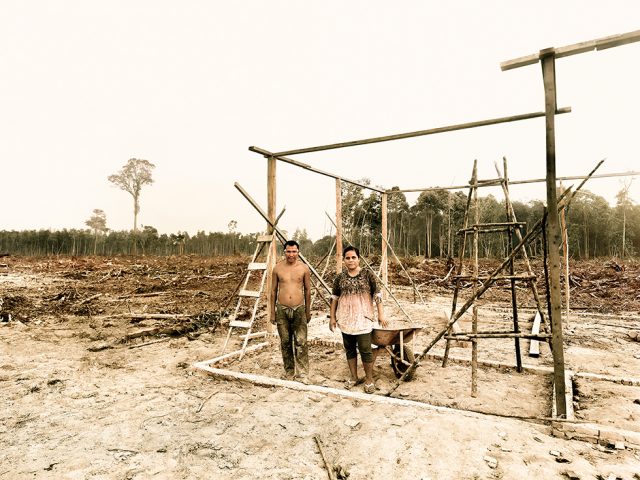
column 427, row 228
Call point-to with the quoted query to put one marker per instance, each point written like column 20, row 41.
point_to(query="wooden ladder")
column 257, row 269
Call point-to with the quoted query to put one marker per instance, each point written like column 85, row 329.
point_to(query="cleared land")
column 90, row 391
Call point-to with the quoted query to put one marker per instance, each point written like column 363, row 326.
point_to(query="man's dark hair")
column 291, row 243
column 349, row 248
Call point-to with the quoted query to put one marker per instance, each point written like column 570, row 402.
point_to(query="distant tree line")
column 146, row 242
column 430, row 226
column 427, row 228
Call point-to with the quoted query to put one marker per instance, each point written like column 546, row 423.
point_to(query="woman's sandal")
column 369, row 387
column 349, row 384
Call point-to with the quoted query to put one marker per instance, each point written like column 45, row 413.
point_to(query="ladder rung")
column 254, row 335
column 249, row 293
column 239, row 324
column 257, row 266
column 265, row 238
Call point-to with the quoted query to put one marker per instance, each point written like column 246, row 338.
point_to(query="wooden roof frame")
column 546, row 58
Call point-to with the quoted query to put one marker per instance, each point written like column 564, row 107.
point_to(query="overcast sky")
column 190, row 85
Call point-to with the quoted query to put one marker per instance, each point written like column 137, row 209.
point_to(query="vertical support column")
column 510, row 231
column 271, row 213
column 549, row 78
column 338, row 226
column 476, row 273
column 384, row 247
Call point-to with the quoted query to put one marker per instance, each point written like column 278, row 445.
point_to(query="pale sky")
column 190, row 85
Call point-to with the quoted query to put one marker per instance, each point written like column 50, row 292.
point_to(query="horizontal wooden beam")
column 290, row 161
column 515, row 182
column 575, row 49
column 420, row 133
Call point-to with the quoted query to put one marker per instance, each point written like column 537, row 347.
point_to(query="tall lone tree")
column 131, row 178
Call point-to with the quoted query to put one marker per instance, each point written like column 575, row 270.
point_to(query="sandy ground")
column 139, row 410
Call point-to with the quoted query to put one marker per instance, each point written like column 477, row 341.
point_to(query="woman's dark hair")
column 349, row 248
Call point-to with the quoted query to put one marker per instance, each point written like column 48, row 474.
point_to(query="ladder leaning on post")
column 255, row 267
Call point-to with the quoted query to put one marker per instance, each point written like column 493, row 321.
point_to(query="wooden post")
column 271, row 213
column 384, row 259
column 476, row 272
column 514, row 298
column 549, row 77
column 338, row 226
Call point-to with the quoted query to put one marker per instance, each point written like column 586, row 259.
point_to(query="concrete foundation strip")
column 587, row 432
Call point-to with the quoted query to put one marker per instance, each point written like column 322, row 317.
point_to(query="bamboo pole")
column 420, row 133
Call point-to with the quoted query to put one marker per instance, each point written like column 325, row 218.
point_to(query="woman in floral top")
column 353, row 295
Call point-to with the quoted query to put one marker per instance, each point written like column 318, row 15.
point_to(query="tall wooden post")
column 384, row 258
column 338, row 226
column 271, row 213
column 547, row 58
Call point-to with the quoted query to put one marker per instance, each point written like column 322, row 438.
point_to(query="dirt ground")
column 91, row 388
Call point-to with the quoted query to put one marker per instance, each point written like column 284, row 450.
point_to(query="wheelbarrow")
column 398, row 343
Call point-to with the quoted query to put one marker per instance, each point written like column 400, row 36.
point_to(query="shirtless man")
column 291, row 311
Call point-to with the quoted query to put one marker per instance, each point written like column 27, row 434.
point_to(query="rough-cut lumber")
column 553, row 237
column 574, row 49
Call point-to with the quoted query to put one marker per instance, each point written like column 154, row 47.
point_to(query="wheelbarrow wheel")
column 398, row 367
